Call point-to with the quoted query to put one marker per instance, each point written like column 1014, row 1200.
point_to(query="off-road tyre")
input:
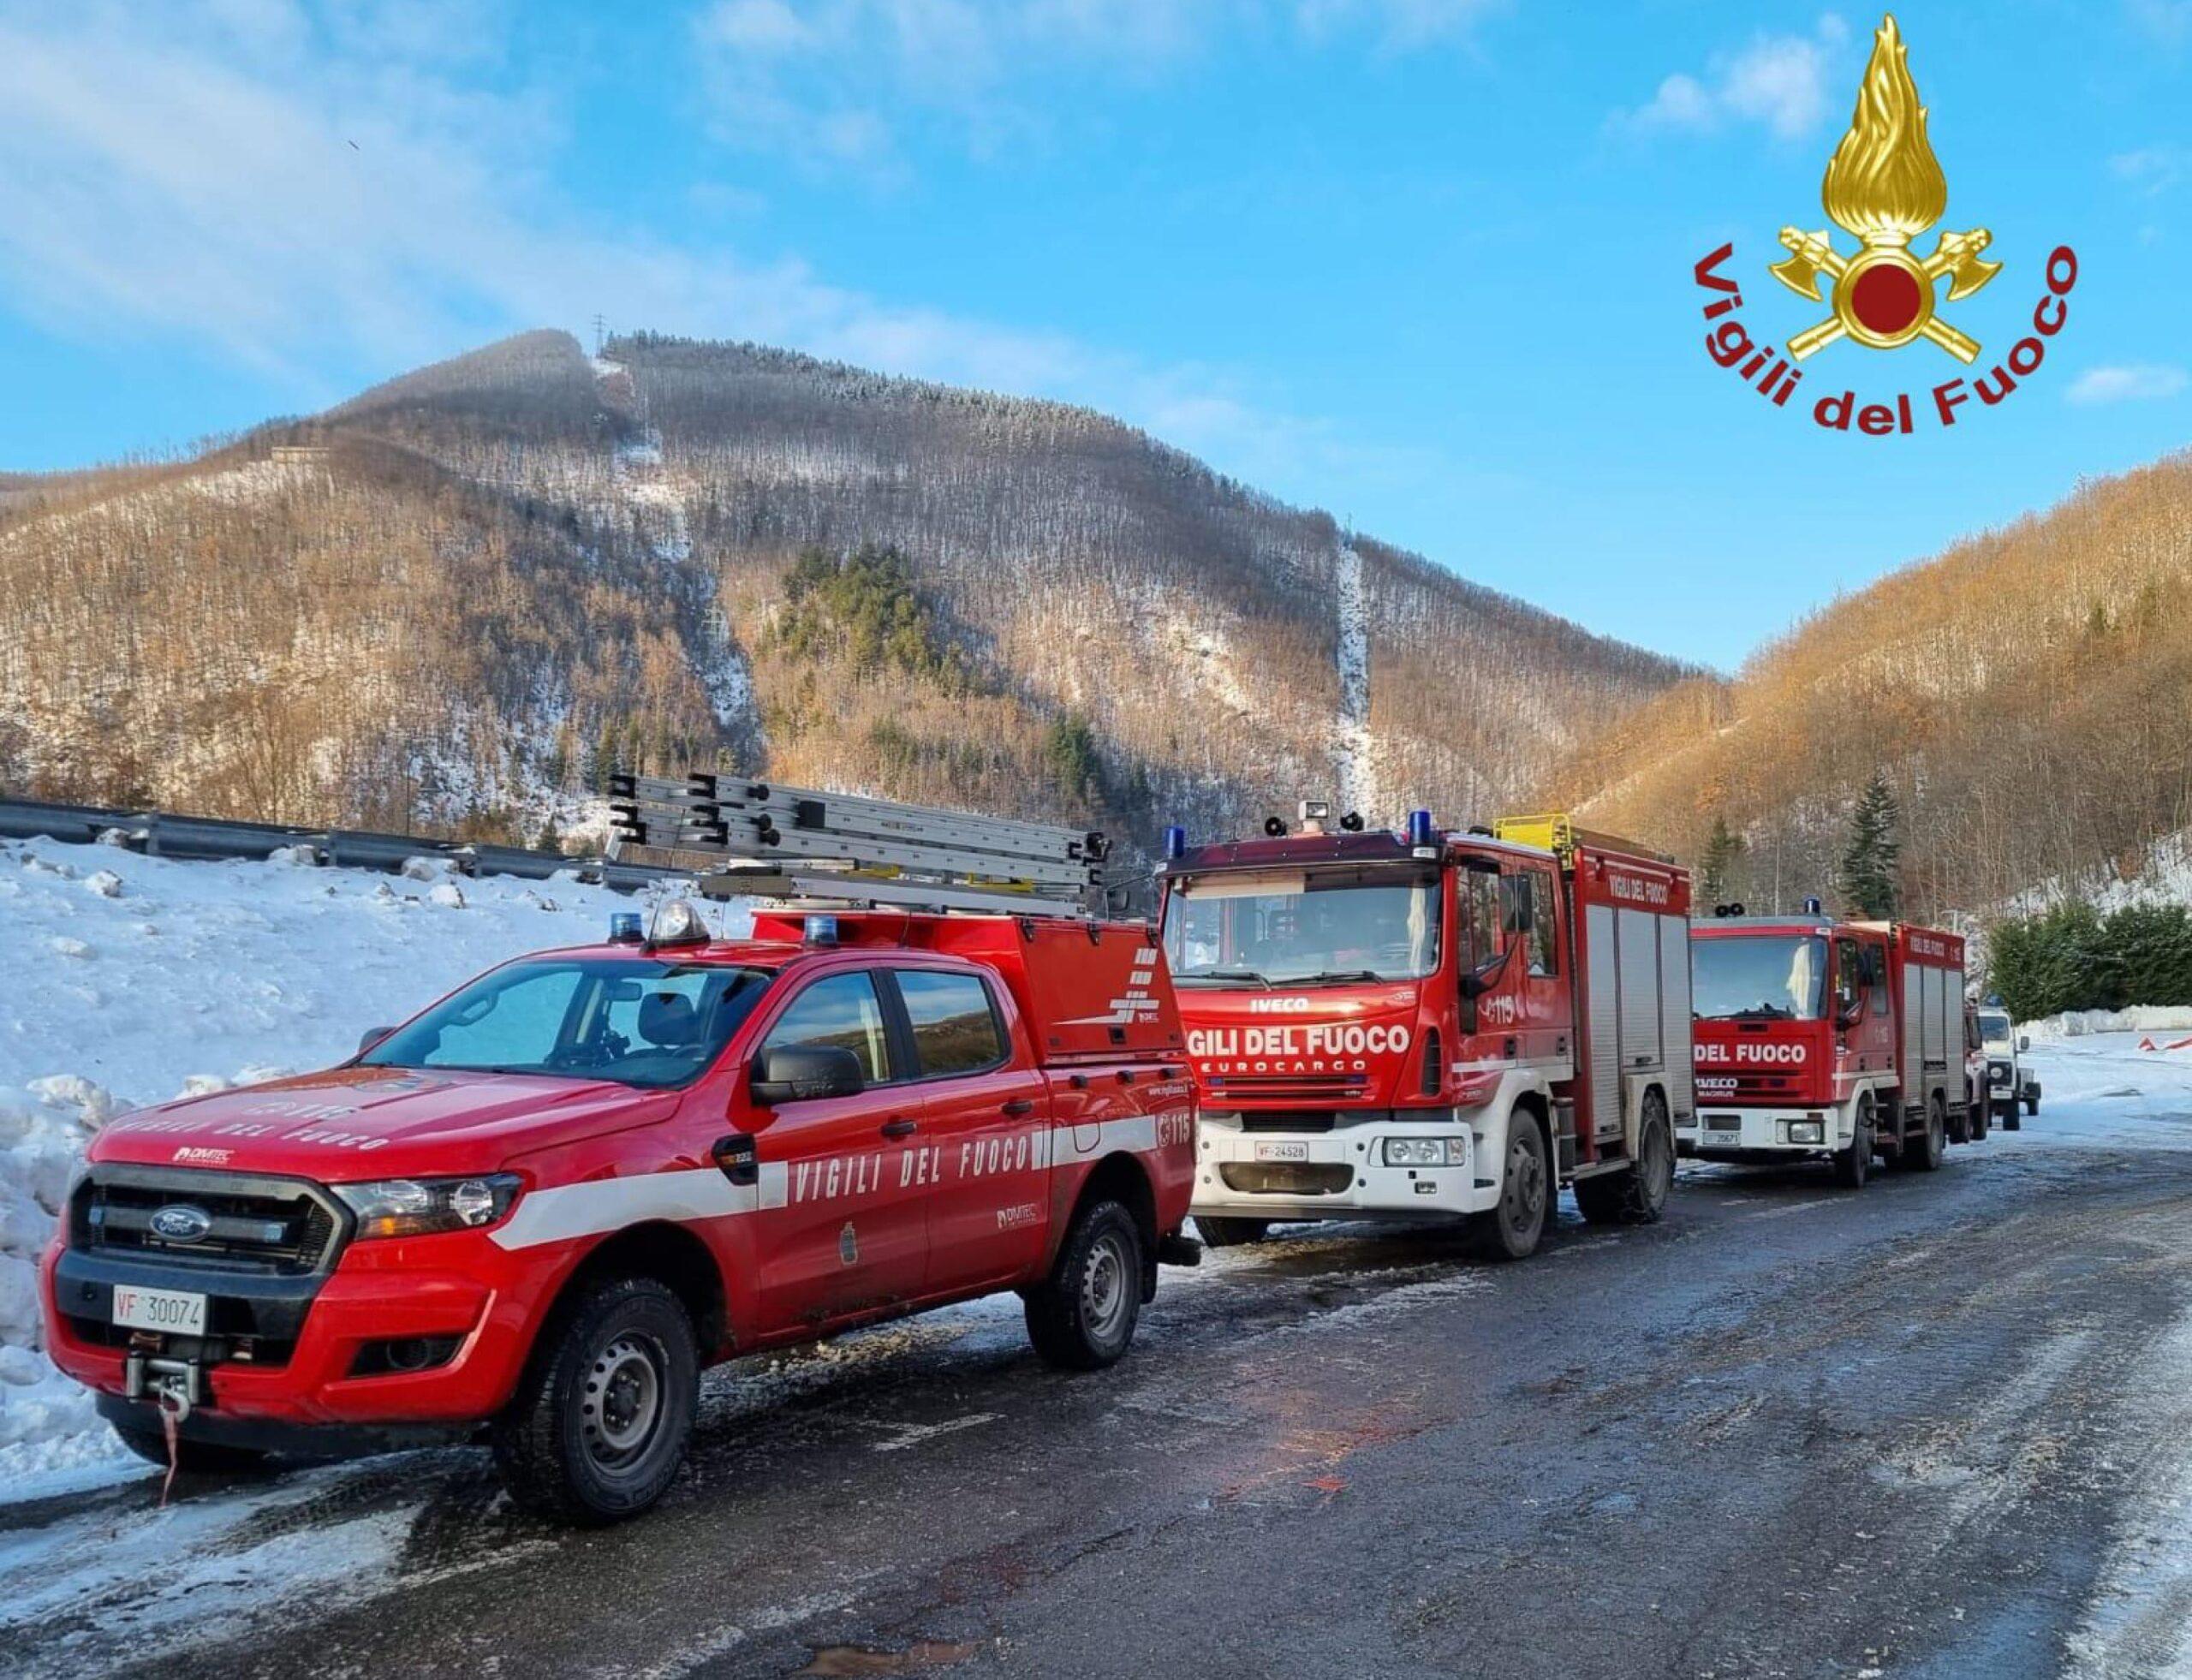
column 1926, row 1152
column 1513, row 1230
column 2007, row 1114
column 2032, row 1105
column 1230, row 1233
column 1638, row 1196
column 1081, row 1317
column 1980, row 1120
column 1854, row 1164
column 192, row 1458
column 601, row 1418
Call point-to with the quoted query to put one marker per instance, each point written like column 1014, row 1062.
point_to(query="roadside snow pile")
column 2083, row 1024
column 126, row 981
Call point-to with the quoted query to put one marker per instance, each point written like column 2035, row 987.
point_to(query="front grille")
column 1434, row 1071
column 1287, row 1178
column 281, row 1227
column 1288, row 1120
column 1290, row 1087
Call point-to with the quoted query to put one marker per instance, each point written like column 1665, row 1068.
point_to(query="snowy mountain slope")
column 472, row 588
column 126, row 980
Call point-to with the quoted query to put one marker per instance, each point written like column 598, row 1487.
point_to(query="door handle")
column 1018, row 1106
column 900, row 1128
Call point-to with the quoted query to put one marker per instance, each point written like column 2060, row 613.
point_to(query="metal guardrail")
column 167, row 834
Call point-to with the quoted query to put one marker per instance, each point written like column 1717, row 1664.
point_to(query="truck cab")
column 546, row 1203
column 2012, row 1090
column 1821, row 1039
column 1387, row 1025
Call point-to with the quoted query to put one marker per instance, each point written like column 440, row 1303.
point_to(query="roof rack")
column 1556, row 831
column 739, row 835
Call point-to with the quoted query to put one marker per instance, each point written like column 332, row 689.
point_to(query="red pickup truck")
column 546, row 1203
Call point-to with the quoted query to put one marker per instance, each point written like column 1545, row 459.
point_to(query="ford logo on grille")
column 179, row 1222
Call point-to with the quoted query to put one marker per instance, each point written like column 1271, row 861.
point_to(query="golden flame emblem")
column 1885, row 186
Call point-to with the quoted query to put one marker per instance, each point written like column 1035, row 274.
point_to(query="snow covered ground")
column 126, row 980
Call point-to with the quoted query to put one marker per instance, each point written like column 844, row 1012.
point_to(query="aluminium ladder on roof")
column 742, row 836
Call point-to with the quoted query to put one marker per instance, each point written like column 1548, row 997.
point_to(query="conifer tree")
column 1718, row 870
column 1868, row 875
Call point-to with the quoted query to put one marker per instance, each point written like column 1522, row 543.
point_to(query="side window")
column 1544, row 958
column 519, row 1023
column 842, row 1011
column 1480, row 918
column 955, row 1028
column 1846, row 981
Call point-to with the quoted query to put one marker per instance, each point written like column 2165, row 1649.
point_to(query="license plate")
column 1282, row 1152
column 170, row 1310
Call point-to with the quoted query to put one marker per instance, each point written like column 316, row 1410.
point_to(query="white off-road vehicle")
column 2011, row 1091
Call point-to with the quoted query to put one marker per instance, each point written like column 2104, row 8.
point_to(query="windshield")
column 635, row 1022
column 1994, row 1028
column 1764, row 977
column 1275, row 928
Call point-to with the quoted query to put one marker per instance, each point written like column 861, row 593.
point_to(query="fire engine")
column 1823, row 1039
column 545, row 1204
column 1424, row 1023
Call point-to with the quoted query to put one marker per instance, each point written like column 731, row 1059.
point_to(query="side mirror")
column 801, row 1073
column 2024, row 1041
column 372, row 1036
column 1478, row 981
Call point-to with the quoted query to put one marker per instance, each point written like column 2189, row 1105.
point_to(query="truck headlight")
column 1807, row 1131
column 1426, row 1151
column 424, row 1206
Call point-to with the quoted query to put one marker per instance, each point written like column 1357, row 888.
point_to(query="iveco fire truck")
column 1398, row 1025
column 1823, row 1039
column 542, row 1205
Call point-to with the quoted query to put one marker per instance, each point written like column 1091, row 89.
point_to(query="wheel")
column 1638, row 1196
column 1082, row 1317
column 1852, row 1164
column 1979, row 1113
column 1925, row 1152
column 2007, row 1114
column 1230, row 1233
column 196, row 1458
column 2032, row 1105
column 1513, row 1229
column 601, row 1417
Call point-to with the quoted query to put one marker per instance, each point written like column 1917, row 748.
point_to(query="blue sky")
column 1423, row 262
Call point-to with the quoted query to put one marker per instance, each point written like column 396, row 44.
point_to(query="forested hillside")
column 2029, row 694
column 457, row 599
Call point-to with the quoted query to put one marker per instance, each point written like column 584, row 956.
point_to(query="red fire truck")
column 1818, row 1038
column 546, row 1203
column 1430, row 1023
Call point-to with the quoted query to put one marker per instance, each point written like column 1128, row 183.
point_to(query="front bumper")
column 308, row 1333
column 1721, row 1131
column 1336, row 1175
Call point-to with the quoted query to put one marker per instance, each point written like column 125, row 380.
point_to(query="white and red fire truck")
column 1430, row 1023
column 545, row 1204
column 1827, row 1038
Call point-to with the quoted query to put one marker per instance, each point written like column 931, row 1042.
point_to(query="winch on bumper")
column 1379, row 1166
column 301, row 1328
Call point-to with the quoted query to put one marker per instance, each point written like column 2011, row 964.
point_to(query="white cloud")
column 2153, row 168
column 1778, row 81
column 224, row 177
column 2128, row 382
column 845, row 83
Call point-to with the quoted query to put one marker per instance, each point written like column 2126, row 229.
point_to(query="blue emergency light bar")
column 1419, row 829
column 624, row 927
column 1176, row 841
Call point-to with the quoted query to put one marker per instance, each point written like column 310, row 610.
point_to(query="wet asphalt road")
column 1934, row 1428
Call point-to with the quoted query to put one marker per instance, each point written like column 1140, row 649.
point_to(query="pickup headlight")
column 1426, row 1151
column 424, row 1206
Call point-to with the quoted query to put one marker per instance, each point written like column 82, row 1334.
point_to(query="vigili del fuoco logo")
column 1885, row 188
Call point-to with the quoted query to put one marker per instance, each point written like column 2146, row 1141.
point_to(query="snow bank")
column 2083, row 1024
column 126, row 981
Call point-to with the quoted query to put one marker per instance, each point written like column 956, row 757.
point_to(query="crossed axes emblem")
column 1956, row 255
